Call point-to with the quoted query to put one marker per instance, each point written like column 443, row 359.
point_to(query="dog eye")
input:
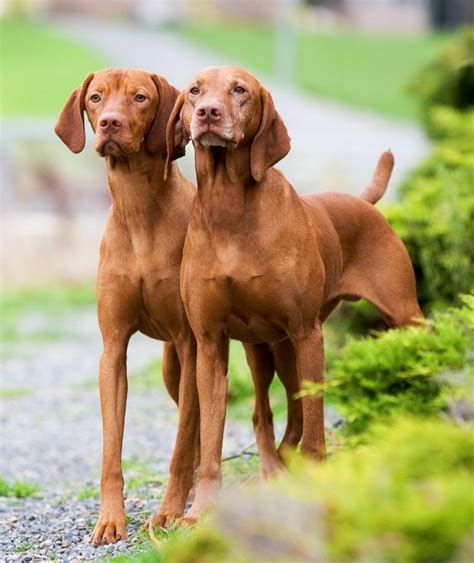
column 239, row 90
column 140, row 98
column 95, row 98
column 194, row 90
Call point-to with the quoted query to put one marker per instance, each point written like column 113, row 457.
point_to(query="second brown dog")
column 263, row 264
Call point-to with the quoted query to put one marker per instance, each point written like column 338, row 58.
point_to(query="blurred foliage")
column 40, row 67
column 240, row 378
column 148, row 377
column 448, row 80
column 403, row 498
column 397, row 371
column 436, row 213
column 12, row 393
column 364, row 70
column 18, row 304
column 53, row 298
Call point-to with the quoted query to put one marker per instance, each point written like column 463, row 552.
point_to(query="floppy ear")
column 70, row 125
column 271, row 143
column 176, row 136
column 156, row 137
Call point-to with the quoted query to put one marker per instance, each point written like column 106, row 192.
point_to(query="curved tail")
column 375, row 190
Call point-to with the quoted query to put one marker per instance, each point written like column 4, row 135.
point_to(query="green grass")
column 39, row 68
column 149, row 377
column 14, row 304
column 87, row 492
column 240, row 469
column 137, row 474
column 17, row 488
column 14, row 392
column 50, row 299
column 367, row 71
column 24, row 547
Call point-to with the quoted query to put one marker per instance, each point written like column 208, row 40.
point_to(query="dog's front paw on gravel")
column 110, row 528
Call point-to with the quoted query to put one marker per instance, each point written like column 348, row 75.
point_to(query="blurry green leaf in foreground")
column 406, row 497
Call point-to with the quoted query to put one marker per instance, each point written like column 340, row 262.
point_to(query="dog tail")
column 375, row 190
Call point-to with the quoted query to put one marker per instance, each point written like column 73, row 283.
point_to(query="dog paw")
column 189, row 519
column 270, row 466
column 110, row 528
column 163, row 519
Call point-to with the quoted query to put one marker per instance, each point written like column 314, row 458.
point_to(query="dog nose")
column 210, row 113
column 110, row 120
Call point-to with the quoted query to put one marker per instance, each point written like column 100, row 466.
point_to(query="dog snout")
column 209, row 113
column 110, row 121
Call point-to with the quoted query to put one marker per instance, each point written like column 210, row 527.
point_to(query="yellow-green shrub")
column 435, row 216
column 396, row 371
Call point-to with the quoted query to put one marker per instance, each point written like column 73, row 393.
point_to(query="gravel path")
column 334, row 147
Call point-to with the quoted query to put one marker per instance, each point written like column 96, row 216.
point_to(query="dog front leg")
column 110, row 526
column 211, row 372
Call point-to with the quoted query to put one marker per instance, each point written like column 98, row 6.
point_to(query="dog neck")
column 223, row 179
column 137, row 186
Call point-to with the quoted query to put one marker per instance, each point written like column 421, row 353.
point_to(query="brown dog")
column 138, row 280
column 140, row 258
column 263, row 264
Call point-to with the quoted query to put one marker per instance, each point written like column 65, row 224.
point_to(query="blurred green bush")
column 398, row 371
column 435, row 216
column 448, row 80
column 405, row 497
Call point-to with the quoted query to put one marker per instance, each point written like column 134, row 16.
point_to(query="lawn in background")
column 15, row 304
column 368, row 71
column 39, row 68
